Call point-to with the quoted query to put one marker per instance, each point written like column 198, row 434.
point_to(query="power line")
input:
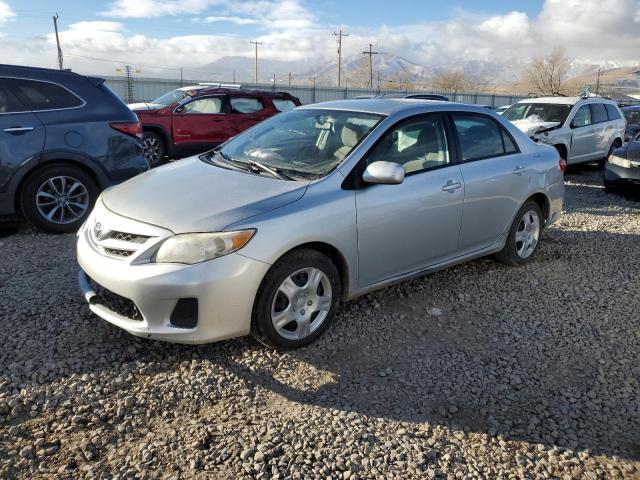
column 98, row 59
column 371, row 53
column 340, row 35
column 256, row 44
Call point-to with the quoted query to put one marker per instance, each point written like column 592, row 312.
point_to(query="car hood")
column 145, row 106
column 530, row 127
column 193, row 196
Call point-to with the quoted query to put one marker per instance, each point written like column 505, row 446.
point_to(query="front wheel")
column 524, row 236
column 297, row 300
column 59, row 198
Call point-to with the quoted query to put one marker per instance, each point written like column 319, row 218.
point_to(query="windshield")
column 173, row 96
column 632, row 117
column 538, row 112
column 301, row 143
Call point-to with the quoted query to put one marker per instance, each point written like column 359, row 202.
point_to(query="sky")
column 193, row 33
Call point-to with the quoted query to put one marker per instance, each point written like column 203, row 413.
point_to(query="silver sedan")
column 269, row 232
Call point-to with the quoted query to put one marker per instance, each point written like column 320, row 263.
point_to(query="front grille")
column 114, row 302
column 115, row 252
column 129, row 237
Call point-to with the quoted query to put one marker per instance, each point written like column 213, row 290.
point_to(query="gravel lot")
column 480, row 371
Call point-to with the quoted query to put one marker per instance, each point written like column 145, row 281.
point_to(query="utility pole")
column 289, row 78
column 234, row 76
column 371, row 53
column 340, row 35
column 55, row 26
column 274, row 82
column 256, row 44
column 598, row 83
column 180, row 76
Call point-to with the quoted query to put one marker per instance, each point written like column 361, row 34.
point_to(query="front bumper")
column 622, row 177
column 225, row 290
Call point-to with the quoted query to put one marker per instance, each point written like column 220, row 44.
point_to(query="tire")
column 58, row 198
column 300, row 303
column 153, row 148
column 514, row 252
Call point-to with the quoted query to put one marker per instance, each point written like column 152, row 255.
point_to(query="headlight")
column 192, row 248
column 619, row 161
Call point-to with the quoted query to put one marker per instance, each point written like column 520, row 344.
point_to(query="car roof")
column 242, row 91
column 564, row 100
column 389, row 106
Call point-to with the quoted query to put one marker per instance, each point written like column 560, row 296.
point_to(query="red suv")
column 205, row 119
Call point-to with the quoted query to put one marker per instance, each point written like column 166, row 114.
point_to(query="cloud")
column 230, row 19
column 6, row 13
column 157, row 8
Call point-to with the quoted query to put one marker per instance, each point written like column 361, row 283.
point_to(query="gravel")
column 479, row 371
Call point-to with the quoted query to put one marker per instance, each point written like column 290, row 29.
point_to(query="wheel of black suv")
column 524, row 236
column 58, row 198
column 614, row 146
column 297, row 300
column 153, row 148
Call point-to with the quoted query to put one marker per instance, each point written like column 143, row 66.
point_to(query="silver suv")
column 581, row 129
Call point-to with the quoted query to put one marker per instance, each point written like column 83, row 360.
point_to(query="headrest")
column 350, row 135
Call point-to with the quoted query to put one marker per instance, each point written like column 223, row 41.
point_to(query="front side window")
column 202, row 105
column 480, row 137
column 9, row 103
column 283, row 105
column 417, row 144
column 303, row 142
column 44, row 95
column 598, row 113
column 582, row 117
column 246, row 105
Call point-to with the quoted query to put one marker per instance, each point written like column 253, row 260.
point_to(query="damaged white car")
column 581, row 129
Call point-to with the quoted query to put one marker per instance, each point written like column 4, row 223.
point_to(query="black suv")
column 63, row 138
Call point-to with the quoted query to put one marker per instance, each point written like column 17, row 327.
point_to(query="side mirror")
column 387, row 173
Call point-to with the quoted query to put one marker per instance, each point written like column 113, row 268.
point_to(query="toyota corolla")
column 269, row 232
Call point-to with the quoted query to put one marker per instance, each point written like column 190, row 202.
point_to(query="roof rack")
column 220, row 85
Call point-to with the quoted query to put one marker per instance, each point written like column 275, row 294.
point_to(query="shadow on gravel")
column 559, row 366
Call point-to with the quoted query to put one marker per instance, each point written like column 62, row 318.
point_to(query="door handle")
column 519, row 170
column 15, row 130
column 451, row 186
column 216, row 119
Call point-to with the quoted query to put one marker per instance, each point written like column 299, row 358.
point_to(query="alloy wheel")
column 62, row 200
column 527, row 234
column 301, row 303
column 151, row 150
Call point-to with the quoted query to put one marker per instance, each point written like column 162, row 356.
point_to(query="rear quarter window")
column 283, row 105
column 44, row 95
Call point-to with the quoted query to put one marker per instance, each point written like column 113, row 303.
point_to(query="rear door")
column 246, row 110
column 603, row 129
column 22, row 134
column 583, row 136
column 496, row 178
column 201, row 123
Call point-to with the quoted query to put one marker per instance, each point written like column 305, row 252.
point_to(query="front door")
column 410, row 226
column 584, row 136
column 201, row 123
column 21, row 135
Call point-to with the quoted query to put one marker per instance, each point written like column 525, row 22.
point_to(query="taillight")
column 130, row 128
column 563, row 165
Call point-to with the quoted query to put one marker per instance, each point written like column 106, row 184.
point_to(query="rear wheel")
column 614, row 146
column 59, row 198
column 153, row 148
column 297, row 300
column 524, row 236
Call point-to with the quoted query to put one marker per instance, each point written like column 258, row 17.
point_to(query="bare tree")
column 547, row 75
column 453, row 81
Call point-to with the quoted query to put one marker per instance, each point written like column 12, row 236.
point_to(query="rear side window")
column 598, row 113
column 612, row 112
column 481, row 137
column 44, row 95
column 8, row 102
column 283, row 105
column 246, row 105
